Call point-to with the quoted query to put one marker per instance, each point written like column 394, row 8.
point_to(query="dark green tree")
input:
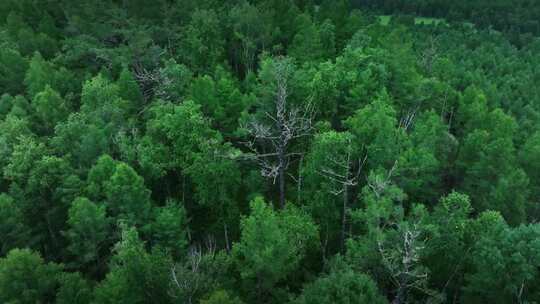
column 13, row 230
column 73, row 289
column 26, row 278
column 130, row 91
column 204, row 41
column 126, row 196
column 13, row 68
column 341, row 286
column 169, row 229
column 50, row 107
column 88, row 232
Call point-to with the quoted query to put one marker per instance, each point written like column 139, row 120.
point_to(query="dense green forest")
column 269, row 151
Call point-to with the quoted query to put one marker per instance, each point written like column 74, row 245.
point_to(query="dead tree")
column 402, row 261
column 380, row 183
column 152, row 81
column 400, row 243
column 277, row 129
column 340, row 169
column 188, row 278
column 193, row 275
column 430, row 54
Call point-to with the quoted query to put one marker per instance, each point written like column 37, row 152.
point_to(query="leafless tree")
column 151, row 81
column 340, row 169
column 191, row 276
column 402, row 261
column 278, row 128
column 400, row 245
column 407, row 119
column 429, row 54
column 380, row 183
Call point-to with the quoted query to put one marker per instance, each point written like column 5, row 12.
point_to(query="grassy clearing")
column 385, row 20
column 429, row 21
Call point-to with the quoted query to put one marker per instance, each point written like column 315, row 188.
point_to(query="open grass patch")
column 386, row 19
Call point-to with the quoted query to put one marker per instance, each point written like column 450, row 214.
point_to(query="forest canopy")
column 269, row 151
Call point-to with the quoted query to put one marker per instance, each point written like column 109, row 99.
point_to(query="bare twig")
column 284, row 124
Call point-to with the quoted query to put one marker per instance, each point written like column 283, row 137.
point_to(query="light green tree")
column 135, row 276
column 272, row 244
column 50, row 107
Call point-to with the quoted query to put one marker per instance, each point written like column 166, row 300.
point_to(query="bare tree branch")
column 284, row 124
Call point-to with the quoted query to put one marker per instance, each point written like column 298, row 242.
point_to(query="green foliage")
column 30, row 41
column 25, row 154
column 491, row 175
column 529, row 159
column 88, row 230
column 13, row 130
column 505, row 266
column 38, row 75
column 221, row 297
column 375, row 128
column 43, row 186
column 402, row 137
column 127, row 198
column 26, row 278
column 306, row 44
column 219, row 99
column 272, row 244
column 204, row 44
column 382, row 209
column 101, row 99
column 330, row 171
column 98, row 175
column 73, row 289
column 251, row 31
column 422, row 164
column 448, row 253
column 81, row 140
column 13, row 231
column 50, row 107
column 178, row 78
column 136, row 276
column 174, row 134
column 169, row 229
column 129, row 90
column 13, row 68
column 342, row 286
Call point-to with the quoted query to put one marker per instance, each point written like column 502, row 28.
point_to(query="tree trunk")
column 281, row 174
column 183, row 189
column 226, row 232
column 299, row 186
column 344, row 215
column 400, row 296
column 52, row 234
column 281, row 187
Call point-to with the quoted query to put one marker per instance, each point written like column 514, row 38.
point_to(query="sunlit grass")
column 429, row 21
column 385, row 20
